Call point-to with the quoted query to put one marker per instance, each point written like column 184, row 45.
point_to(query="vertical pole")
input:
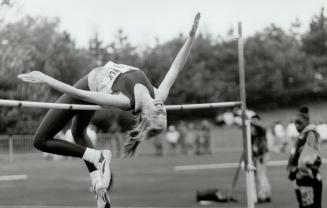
column 242, row 88
column 245, row 130
column 11, row 149
column 251, row 189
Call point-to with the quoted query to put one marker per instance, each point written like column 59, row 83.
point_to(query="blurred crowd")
column 280, row 136
column 185, row 138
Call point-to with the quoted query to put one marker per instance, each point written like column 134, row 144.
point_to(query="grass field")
column 143, row 181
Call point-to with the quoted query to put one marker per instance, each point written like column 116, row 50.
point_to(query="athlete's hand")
column 195, row 24
column 34, row 77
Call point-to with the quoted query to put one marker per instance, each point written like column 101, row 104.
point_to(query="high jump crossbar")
column 31, row 104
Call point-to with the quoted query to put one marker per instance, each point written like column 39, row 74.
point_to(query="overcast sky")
column 143, row 20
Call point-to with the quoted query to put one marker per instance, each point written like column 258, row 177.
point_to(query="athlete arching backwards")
column 113, row 85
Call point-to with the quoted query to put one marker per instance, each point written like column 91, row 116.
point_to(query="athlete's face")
column 157, row 116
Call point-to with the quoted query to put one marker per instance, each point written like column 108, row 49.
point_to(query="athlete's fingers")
column 195, row 24
column 32, row 80
column 29, row 78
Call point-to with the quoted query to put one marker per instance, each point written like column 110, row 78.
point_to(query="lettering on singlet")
column 101, row 79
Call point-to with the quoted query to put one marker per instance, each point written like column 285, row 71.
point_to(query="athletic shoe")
column 102, row 197
column 103, row 201
column 106, row 197
column 101, row 187
column 103, row 166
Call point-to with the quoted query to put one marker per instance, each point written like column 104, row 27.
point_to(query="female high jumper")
column 113, row 85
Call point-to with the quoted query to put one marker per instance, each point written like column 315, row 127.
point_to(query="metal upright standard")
column 245, row 124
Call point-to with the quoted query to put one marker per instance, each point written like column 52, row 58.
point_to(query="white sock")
column 91, row 155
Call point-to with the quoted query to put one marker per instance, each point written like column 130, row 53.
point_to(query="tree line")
column 283, row 68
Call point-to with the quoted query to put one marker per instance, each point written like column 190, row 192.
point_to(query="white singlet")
column 101, row 79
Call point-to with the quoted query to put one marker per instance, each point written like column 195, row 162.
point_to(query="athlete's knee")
column 39, row 143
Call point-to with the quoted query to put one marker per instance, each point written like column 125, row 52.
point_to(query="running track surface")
column 143, row 181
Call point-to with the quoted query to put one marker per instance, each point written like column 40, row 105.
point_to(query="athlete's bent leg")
column 53, row 122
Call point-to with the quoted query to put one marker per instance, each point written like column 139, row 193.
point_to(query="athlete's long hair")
column 144, row 129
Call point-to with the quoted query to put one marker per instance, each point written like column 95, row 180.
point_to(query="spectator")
column 190, row 138
column 279, row 132
column 198, row 140
column 237, row 116
column 270, row 138
column 182, row 129
column 237, row 112
column 172, row 136
column 228, row 118
column 260, row 158
column 219, row 120
column 304, row 163
column 206, row 134
column 250, row 113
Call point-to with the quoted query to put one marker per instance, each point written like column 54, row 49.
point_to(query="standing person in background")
column 270, row 139
column 279, row 132
column 206, row 134
column 172, row 137
column 198, row 139
column 228, row 118
column 190, row 138
column 182, row 129
column 260, row 158
column 304, row 163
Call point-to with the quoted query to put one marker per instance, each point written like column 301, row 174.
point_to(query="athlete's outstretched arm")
column 88, row 96
column 178, row 64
